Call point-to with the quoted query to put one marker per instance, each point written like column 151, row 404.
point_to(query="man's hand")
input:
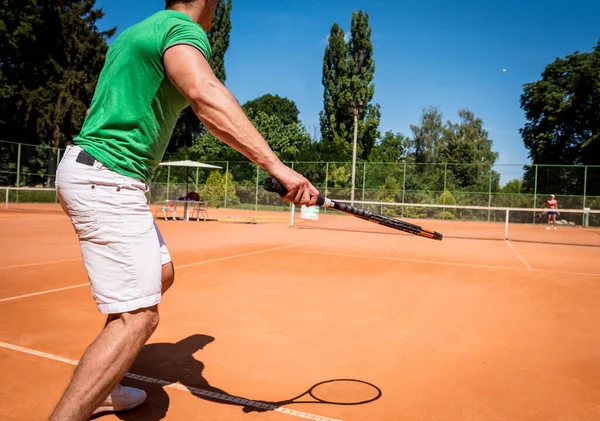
column 300, row 190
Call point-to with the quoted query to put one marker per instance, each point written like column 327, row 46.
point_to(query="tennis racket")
column 273, row 185
column 334, row 392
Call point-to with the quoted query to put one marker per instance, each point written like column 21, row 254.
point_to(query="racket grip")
column 273, row 185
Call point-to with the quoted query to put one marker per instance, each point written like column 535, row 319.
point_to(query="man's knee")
column 141, row 322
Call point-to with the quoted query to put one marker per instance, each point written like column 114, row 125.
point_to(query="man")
column 152, row 72
column 551, row 211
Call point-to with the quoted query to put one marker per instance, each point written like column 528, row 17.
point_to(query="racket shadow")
column 332, row 392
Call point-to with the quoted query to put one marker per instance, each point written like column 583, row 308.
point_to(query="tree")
column 284, row 108
column 214, row 190
column 348, row 71
column 50, row 59
column 391, row 148
column 189, row 126
column 562, row 126
column 286, row 140
column 468, row 149
column 427, row 137
column 218, row 36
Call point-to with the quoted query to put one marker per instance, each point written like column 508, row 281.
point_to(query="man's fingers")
column 305, row 197
column 314, row 195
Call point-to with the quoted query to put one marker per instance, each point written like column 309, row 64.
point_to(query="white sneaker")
column 547, row 228
column 554, row 228
column 122, row 398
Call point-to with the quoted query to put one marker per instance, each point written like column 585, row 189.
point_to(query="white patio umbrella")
column 188, row 164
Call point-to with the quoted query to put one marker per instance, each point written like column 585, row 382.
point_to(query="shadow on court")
column 174, row 363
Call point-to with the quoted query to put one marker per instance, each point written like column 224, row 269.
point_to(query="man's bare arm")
column 220, row 112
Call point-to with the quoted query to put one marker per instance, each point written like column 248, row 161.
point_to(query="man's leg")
column 105, row 363
column 168, row 277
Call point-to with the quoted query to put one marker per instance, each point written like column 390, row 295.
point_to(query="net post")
column 535, row 192
column 293, row 207
column 6, row 203
column 506, row 224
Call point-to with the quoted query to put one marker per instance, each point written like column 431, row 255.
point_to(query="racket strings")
column 346, row 392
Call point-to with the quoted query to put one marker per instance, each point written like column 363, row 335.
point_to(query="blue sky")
column 449, row 54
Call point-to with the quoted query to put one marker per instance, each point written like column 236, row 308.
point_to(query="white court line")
column 39, row 263
column 219, row 259
column 43, row 292
column 51, row 262
column 432, row 262
column 521, row 258
column 178, row 386
column 176, row 267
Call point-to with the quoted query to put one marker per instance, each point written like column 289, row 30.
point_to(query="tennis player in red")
column 552, row 211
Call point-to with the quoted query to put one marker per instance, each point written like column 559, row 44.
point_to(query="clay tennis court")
column 463, row 329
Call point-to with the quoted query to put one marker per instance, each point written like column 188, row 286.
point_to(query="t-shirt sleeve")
column 187, row 33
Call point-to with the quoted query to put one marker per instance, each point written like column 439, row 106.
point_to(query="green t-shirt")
column 135, row 106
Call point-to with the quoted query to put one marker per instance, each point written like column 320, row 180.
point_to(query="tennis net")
column 573, row 226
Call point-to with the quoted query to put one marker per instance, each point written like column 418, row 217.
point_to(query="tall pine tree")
column 348, row 71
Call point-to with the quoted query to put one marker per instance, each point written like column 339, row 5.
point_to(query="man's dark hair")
column 171, row 3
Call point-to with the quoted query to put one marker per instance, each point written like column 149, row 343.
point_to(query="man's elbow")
column 203, row 93
column 210, row 95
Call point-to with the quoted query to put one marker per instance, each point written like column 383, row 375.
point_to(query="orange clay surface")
column 462, row 329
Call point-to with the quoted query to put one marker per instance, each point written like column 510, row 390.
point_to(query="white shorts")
column 122, row 248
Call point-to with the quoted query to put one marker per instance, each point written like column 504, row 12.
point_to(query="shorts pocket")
column 79, row 202
column 85, row 223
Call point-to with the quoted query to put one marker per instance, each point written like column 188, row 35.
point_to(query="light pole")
column 355, row 111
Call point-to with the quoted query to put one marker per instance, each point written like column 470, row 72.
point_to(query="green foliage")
column 513, row 186
column 340, row 176
column 562, row 126
column 467, row 143
column 286, row 140
column 218, row 36
column 464, row 149
column 391, row 148
column 51, row 54
column 446, row 198
column 274, row 105
column 389, row 191
column 214, row 190
column 348, row 71
column 426, row 137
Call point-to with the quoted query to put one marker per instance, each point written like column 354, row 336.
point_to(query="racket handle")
column 273, row 185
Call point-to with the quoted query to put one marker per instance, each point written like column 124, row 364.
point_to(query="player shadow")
column 171, row 363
